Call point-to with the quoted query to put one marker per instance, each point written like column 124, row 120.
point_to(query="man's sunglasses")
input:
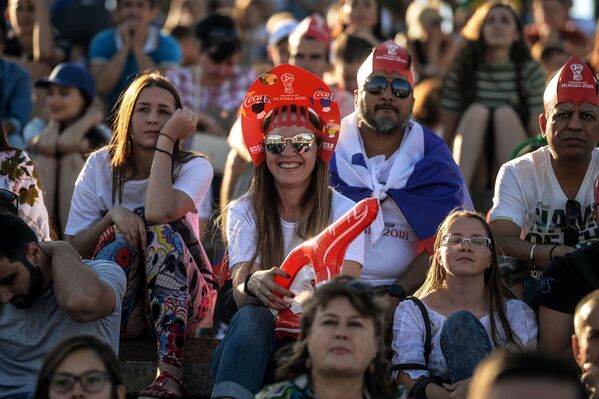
column 570, row 229
column 9, row 201
column 301, row 143
column 376, row 85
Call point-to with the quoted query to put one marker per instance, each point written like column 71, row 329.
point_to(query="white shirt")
column 92, row 197
column 241, row 230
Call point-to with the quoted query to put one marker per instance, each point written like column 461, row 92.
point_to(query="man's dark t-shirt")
column 563, row 285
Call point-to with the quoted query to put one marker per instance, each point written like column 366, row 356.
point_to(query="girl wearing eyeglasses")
column 290, row 123
column 492, row 94
column 469, row 310
column 136, row 202
column 81, row 366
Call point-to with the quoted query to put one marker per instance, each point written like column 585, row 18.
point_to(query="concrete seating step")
column 137, row 357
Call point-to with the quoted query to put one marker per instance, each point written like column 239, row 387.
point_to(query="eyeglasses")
column 10, row 200
column 301, row 143
column 570, row 228
column 91, row 381
column 376, row 85
column 455, row 240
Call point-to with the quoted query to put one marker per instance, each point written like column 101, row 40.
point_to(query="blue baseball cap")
column 69, row 74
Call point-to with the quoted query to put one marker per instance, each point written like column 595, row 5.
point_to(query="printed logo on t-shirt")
column 548, row 225
column 391, row 231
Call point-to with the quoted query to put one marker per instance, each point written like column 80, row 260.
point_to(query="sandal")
column 160, row 382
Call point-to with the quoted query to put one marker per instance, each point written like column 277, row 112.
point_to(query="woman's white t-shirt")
column 92, row 197
column 409, row 334
column 241, row 231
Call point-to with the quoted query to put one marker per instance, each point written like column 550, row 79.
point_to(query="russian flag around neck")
column 424, row 181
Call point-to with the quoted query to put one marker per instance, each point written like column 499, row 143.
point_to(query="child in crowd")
column 74, row 129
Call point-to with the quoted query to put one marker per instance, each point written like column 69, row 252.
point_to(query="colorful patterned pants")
column 164, row 287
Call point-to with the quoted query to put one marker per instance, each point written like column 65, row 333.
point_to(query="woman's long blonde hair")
column 498, row 291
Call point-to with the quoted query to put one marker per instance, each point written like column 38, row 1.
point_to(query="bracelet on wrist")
column 167, row 136
column 164, row 152
column 532, row 252
column 246, row 288
column 551, row 251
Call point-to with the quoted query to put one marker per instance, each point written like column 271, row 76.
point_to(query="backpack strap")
column 586, row 268
column 427, row 339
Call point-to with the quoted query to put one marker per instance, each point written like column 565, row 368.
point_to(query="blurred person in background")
column 74, row 129
column 251, row 17
column 431, row 48
column 492, row 94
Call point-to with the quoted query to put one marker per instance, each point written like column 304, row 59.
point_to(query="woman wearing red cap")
column 290, row 123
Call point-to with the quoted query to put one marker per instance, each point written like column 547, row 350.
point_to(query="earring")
column 308, row 363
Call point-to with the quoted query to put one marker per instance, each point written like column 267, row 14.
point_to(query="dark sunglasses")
column 570, row 229
column 376, row 85
column 9, row 200
column 301, row 143
column 91, row 382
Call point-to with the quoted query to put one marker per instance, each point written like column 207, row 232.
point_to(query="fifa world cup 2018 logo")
column 576, row 70
column 287, row 80
column 392, row 49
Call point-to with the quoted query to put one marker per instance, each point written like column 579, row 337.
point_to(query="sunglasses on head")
column 570, row 229
column 376, row 85
column 9, row 200
column 301, row 143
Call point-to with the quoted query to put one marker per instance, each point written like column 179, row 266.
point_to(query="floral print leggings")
column 171, row 296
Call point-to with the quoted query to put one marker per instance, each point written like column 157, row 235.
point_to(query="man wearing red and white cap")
column 382, row 153
column 542, row 206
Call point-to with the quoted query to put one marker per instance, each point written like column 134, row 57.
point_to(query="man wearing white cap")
column 542, row 207
column 382, row 153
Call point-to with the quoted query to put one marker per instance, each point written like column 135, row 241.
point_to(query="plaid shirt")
column 228, row 96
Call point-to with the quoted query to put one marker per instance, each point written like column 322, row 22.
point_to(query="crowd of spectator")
column 161, row 159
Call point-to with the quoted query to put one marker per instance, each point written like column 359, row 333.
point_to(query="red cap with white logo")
column 389, row 57
column 272, row 97
column 313, row 26
column 574, row 82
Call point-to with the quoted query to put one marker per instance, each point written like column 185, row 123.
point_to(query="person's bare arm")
column 163, row 204
column 233, row 169
column 555, row 330
column 45, row 142
column 507, row 235
column 43, row 38
column 351, row 268
column 72, row 139
column 79, row 291
column 108, row 74
column 413, row 277
column 449, row 121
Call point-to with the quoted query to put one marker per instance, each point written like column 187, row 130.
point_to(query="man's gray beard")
column 384, row 124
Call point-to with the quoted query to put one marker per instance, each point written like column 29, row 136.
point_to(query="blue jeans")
column 464, row 343
column 240, row 361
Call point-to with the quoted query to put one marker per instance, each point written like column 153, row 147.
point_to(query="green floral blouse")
column 17, row 174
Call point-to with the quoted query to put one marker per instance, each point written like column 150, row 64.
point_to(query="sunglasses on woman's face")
column 376, row 85
column 91, row 382
column 301, row 143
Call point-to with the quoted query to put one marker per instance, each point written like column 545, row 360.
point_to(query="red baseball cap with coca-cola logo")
column 313, row 26
column 289, row 85
column 389, row 57
column 574, row 82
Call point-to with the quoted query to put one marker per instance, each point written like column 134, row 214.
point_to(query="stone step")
column 137, row 357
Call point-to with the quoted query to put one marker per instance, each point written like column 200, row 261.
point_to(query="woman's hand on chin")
column 181, row 124
column 267, row 291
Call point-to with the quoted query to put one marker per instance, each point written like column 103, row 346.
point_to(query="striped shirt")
column 497, row 85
